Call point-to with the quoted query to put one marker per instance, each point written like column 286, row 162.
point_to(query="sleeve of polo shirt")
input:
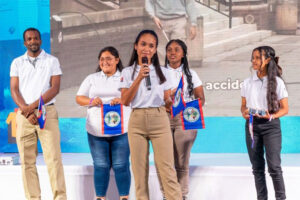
column 167, row 74
column 85, row 87
column 195, row 79
column 14, row 69
column 281, row 89
column 125, row 79
column 56, row 70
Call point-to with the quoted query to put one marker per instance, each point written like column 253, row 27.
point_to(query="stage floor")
column 212, row 177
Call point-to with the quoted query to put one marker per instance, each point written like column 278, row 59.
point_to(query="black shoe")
column 124, row 198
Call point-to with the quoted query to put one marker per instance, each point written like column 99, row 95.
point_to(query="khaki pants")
column 152, row 124
column 183, row 142
column 27, row 137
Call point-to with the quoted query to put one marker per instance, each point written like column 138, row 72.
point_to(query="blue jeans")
column 107, row 153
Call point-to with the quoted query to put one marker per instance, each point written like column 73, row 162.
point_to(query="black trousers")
column 267, row 137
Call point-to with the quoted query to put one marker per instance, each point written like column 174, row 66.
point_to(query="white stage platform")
column 212, row 177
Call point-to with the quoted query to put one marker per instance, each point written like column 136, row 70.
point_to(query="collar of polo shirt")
column 116, row 74
column 42, row 54
column 179, row 69
column 255, row 77
column 151, row 67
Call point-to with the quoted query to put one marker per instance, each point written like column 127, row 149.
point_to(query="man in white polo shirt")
column 34, row 74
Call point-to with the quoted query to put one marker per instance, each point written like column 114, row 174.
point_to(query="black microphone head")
column 144, row 60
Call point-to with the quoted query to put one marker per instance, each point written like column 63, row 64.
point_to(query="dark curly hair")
column 185, row 63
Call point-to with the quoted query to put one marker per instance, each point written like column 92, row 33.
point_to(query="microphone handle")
column 148, row 82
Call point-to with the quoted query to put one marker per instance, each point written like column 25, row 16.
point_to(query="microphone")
column 147, row 78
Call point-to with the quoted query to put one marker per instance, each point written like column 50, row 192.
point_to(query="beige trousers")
column 183, row 142
column 152, row 124
column 27, row 137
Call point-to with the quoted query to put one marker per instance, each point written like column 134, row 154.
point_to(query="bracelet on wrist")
column 91, row 101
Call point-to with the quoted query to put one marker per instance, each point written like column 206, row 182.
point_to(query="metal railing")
column 216, row 6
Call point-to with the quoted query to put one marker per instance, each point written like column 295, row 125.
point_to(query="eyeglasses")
column 107, row 59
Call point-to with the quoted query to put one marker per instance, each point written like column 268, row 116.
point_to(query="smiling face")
column 256, row 60
column 146, row 47
column 32, row 42
column 174, row 54
column 108, row 63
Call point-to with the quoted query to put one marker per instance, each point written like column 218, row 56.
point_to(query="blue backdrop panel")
column 222, row 135
column 16, row 16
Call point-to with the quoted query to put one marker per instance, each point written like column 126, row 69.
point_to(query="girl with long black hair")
column 149, row 120
column 177, row 63
column 264, row 101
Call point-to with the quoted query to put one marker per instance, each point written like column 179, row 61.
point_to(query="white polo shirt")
column 175, row 76
column 35, row 81
column 106, row 88
column 146, row 98
column 254, row 90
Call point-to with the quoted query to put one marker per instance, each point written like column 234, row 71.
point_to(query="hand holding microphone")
column 147, row 78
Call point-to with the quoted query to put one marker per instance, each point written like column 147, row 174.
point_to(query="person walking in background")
column 34, row 74
column 108, row 151
column 176, row 61
column 148, row 120
column 264, row 101
column 171, row 16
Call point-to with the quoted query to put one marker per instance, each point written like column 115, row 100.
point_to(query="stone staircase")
column 217, row 36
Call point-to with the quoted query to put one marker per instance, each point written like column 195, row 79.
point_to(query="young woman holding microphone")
column 148, row 120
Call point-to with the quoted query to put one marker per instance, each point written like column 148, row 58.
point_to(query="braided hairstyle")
column 185, row 63
column 273, row 71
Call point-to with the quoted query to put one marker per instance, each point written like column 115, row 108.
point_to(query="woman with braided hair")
column 264, row 101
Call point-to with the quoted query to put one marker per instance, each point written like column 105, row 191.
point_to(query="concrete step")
column 232, row 43
column 221, row 24
column 212, row 16
column 224, row 34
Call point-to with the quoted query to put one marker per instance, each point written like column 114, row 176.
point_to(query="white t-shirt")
column 35, row 81
column 175, row 76
column 146, row 98
column 106, row 88
column 254, row 90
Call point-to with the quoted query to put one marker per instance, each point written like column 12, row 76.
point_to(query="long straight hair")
column 113, row 51
column 154, row 59
column 185, row 63
column 273, row 71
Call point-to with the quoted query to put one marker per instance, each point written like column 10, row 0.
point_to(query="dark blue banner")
column 112, row 119
column 178, row 102
column 192, row 116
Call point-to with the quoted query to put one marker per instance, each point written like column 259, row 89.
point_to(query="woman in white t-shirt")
column 108, row 151
column 148, row 119
column 264, row 101
column 177, row 63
